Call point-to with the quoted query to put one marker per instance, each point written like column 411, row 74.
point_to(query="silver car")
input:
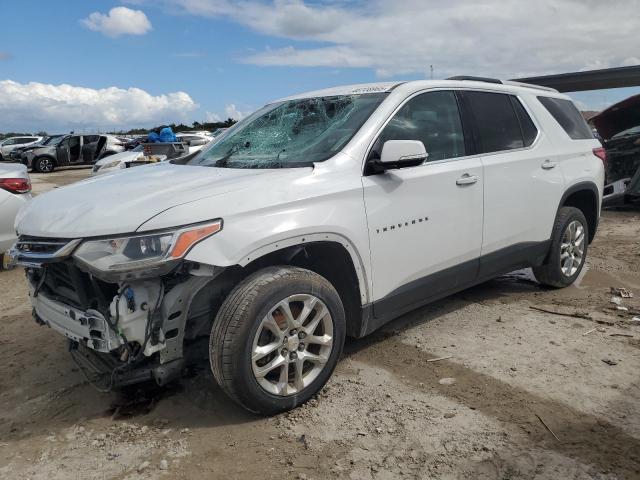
column 8, row 144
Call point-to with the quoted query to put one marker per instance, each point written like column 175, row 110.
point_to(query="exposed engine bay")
column 619, row 129
column 127, row 332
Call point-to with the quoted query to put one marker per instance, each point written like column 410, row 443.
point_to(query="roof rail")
column 529, row 85
column 475, row 79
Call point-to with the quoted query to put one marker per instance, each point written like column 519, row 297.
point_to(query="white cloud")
column 58, row 108
column 119, row 21
column 230, row 111
column 494, row 37
column 212, row 117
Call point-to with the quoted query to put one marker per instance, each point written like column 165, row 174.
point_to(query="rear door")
column 522, row 186
column 425, row 222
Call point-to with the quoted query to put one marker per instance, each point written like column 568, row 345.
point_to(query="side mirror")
column 402, row 153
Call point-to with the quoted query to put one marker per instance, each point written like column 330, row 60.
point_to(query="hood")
column 618, row 118
column 31, row 147
column 41, row 148
column 122, row 202
column 120, row 157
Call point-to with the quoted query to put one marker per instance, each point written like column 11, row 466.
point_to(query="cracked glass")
column 292, row 133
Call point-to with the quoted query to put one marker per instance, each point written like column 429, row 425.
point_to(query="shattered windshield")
column 293, row 133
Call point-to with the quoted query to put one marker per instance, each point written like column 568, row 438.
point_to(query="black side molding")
column 425, row 290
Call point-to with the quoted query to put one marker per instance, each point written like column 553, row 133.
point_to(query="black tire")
column 236, row 325
column 550, row 272
column 43, row 165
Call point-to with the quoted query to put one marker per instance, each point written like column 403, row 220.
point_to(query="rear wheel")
column 568, row 250
column 43, row 165
column 277, row 339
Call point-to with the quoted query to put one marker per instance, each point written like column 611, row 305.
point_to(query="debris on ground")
column 608, row 361
column 446, row 357
column 621, row 292
column 562, row 312
column 547, row 426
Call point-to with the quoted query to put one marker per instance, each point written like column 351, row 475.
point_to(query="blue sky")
column 206, row 59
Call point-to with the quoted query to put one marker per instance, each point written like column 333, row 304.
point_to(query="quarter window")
column 496, row 122
column 434, row 119
column 568, row 116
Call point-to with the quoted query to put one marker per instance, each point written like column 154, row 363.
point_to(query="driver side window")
column 434, row 119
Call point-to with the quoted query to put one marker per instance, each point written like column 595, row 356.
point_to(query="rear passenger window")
column 434, row 119
column 496, row 122
column 568, row 116
column 529, row 130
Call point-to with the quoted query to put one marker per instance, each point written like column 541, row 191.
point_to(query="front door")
column 62, row 152
column 75, row 150
column 425, row 222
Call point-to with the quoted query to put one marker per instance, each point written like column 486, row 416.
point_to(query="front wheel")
column 568, row 250
column 43, row 165
column 277, row 338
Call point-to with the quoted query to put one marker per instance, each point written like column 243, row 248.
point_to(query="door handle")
column 548, row 165
column 467, row 179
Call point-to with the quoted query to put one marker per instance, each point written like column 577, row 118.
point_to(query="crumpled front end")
column 120, row 331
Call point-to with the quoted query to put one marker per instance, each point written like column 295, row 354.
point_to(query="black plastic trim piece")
column 476, row 79
column 451, row 280
column 585, row 186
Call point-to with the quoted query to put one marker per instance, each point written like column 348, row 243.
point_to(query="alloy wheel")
column 292, row 344
column 45, row 165
column 572, row 248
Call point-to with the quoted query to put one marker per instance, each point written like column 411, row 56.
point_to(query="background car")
column 9, row 144
column 143, row 154
column 16, row 154
column 71, row 150
column 619, row 129
column 15, row 191
column 194, row 140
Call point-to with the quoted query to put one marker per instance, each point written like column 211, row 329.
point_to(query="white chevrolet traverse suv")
column 321, row 215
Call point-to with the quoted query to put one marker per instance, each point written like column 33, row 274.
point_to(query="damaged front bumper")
column 125, row 332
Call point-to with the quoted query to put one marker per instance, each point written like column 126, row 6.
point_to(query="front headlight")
column 141, row 256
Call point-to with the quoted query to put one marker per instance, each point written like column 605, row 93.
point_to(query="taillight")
column 601, row 153
column 16, row 185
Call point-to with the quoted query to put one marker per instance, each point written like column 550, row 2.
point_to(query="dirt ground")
column 525, row 394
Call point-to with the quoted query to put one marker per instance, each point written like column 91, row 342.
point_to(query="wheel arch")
column 328, row 255
column 585, row 197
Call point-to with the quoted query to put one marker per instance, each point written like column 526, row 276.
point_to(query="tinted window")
column 529, row 130
column 568, row 116
column 434, row 119
column 496, row 121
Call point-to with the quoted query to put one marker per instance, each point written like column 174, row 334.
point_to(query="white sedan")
column 15, row 191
